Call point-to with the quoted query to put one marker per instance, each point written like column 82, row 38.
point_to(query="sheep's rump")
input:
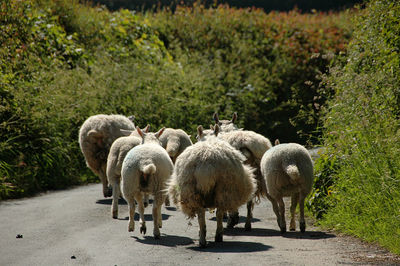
column 138, row 161
column 97, row 134
column 175, row 141
column 210, row 174
column 286, row 168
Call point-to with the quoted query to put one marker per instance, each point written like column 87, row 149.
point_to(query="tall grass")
column 362, row 130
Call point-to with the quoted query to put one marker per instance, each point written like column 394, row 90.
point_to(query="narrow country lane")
column 74, row 227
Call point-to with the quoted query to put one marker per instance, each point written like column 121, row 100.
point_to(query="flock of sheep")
column 226, row 168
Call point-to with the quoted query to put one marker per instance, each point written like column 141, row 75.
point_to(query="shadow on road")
column 108, row 201
column 242, row 219
column 147, row 217
column 232, row 247
column 262, row 232
column 165, row 240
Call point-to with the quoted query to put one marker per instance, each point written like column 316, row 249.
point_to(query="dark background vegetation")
column 318, row 78
column 266, row 5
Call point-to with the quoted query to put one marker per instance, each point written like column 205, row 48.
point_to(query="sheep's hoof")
column 247, row 227
column 283, row 230
column 115, row 215
column 203, row 244
column 108, row 192
column 166, row 202
column 143, row 230
column 131, row 229
column 302, row 227
column 233, row 220
column 218, row 238
column 156, row 236
column 146, row 204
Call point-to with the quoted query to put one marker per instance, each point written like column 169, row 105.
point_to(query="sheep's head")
column 203, row 135
column 150, row 137
column 226, row 125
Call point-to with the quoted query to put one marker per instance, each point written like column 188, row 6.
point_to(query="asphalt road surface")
column 74, row 227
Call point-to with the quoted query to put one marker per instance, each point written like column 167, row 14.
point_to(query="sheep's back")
column 254, row 142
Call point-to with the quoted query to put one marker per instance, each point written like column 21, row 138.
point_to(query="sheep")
column 96, row 136
column 253, row 146
column 175, row 141
column 116, row 156
column 146, row 169
column 288, row 171
column 210, row 174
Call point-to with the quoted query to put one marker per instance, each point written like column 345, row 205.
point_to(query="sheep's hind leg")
column 116, row 193
column 142, row 221
column 293, row 205
column 302, row 221
column 201, row 216
column 107, row 189
column 250, row 206
column 220, row 228
column 158, row 201
column 233, row 219
column 282, row 224
column 131, row 206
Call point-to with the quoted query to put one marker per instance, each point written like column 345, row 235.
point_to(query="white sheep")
column 253, row 146
column 288, row 171
column 116, row 156
column 96, row 136
column 146, row 169
column 226, row 125
column 175, row 141
column 210, row 174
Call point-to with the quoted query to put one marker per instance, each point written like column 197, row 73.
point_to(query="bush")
column 267, row 67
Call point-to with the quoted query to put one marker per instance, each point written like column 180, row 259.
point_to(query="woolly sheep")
column 226, row 125
column 253, row 146
column 116, row 156
column 96, row 136
column 146, row 169
column 175, row 141
column 288, row 171
column 210, row 174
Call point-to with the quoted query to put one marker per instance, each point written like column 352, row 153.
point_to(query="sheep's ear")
column 140, row 132
column 216, row 118
column 234, row 117
column 200, row 131
column 277, row 142
column 216, row 130
column 159, row 133
column 146, row 129
column 126, row 132
column 132, row 118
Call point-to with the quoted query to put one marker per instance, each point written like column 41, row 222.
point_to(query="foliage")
column 63, row 61
column 362, row 126
column 265, row 66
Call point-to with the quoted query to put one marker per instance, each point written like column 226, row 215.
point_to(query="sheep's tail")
column 146, row 172
column 293, row 171
column 149, row 169
column 172, row 147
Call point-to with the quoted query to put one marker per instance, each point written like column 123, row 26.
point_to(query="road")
column 74, row 227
